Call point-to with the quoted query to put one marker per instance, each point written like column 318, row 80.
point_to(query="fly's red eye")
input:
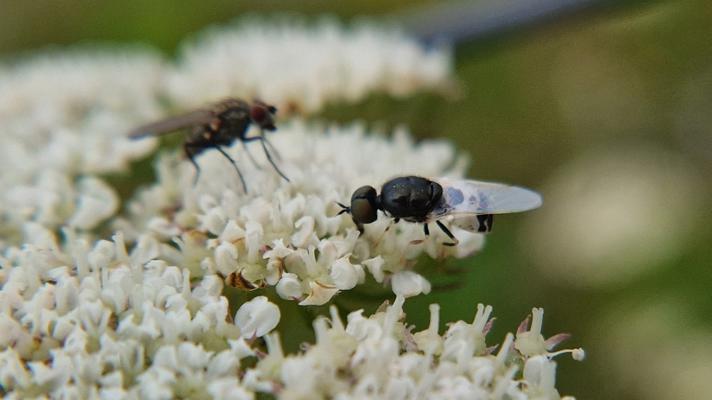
column 258, row 114
column 263, row 115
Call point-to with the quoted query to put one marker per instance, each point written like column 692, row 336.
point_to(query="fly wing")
column 463, row 197
column 171, row 124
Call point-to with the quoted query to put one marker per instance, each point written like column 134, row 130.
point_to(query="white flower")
column 65, row 115
column 319, row 294
column 409, row 284
column 289, row 287
column 375, row 267
column 429, row 341
column 531, row 342
column 463, row 340
column 257, row 317
column 96, row 202
column 229, row 389
column 226, row 257
column 540, row 374
column 346, row 275
column 640, row 209
column 376, row 357
column 302, row 67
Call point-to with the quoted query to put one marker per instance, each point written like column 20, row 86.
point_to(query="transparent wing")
column 171, row 124
column 463, row 197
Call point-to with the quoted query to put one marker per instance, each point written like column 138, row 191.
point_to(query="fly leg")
column 249, row 155
column 262, row 140
column 234, row 164
column 272, row 148
column 191, row 151
column 448, row 233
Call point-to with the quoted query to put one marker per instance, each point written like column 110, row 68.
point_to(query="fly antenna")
column 344, row 209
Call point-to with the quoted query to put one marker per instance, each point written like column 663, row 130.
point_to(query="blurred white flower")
column 692, row 119
column 65, row 115
column 95, row 203
column 668, row 353
column 69, row 111
column 302, row 67
column 409, row 284
column 614, row 214
column 600, row 93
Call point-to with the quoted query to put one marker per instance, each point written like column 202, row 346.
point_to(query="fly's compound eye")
column 258, row 113
column 262, row 114
column 363, row 205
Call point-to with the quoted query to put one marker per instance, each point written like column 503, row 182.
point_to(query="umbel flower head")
column 121, row 296
column 289, row 234
column 302, row 67
column 103, row 321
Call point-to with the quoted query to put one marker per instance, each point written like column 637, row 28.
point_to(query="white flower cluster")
column 379, row 357
column 288, row 234
column 65, row 115
column 81, row 321
column 298, row 66
column 143, row 315
column 63, row 118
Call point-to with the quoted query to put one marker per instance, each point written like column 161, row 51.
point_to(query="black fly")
column 468, row 204
column 218, row 126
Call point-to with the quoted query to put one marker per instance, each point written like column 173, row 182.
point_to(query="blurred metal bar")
column 458, row 21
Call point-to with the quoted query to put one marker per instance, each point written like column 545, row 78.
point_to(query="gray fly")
column 216, row 127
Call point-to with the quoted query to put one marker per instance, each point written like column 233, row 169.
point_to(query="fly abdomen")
column 484, row 223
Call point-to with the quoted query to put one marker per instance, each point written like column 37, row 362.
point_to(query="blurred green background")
column 607, row 112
